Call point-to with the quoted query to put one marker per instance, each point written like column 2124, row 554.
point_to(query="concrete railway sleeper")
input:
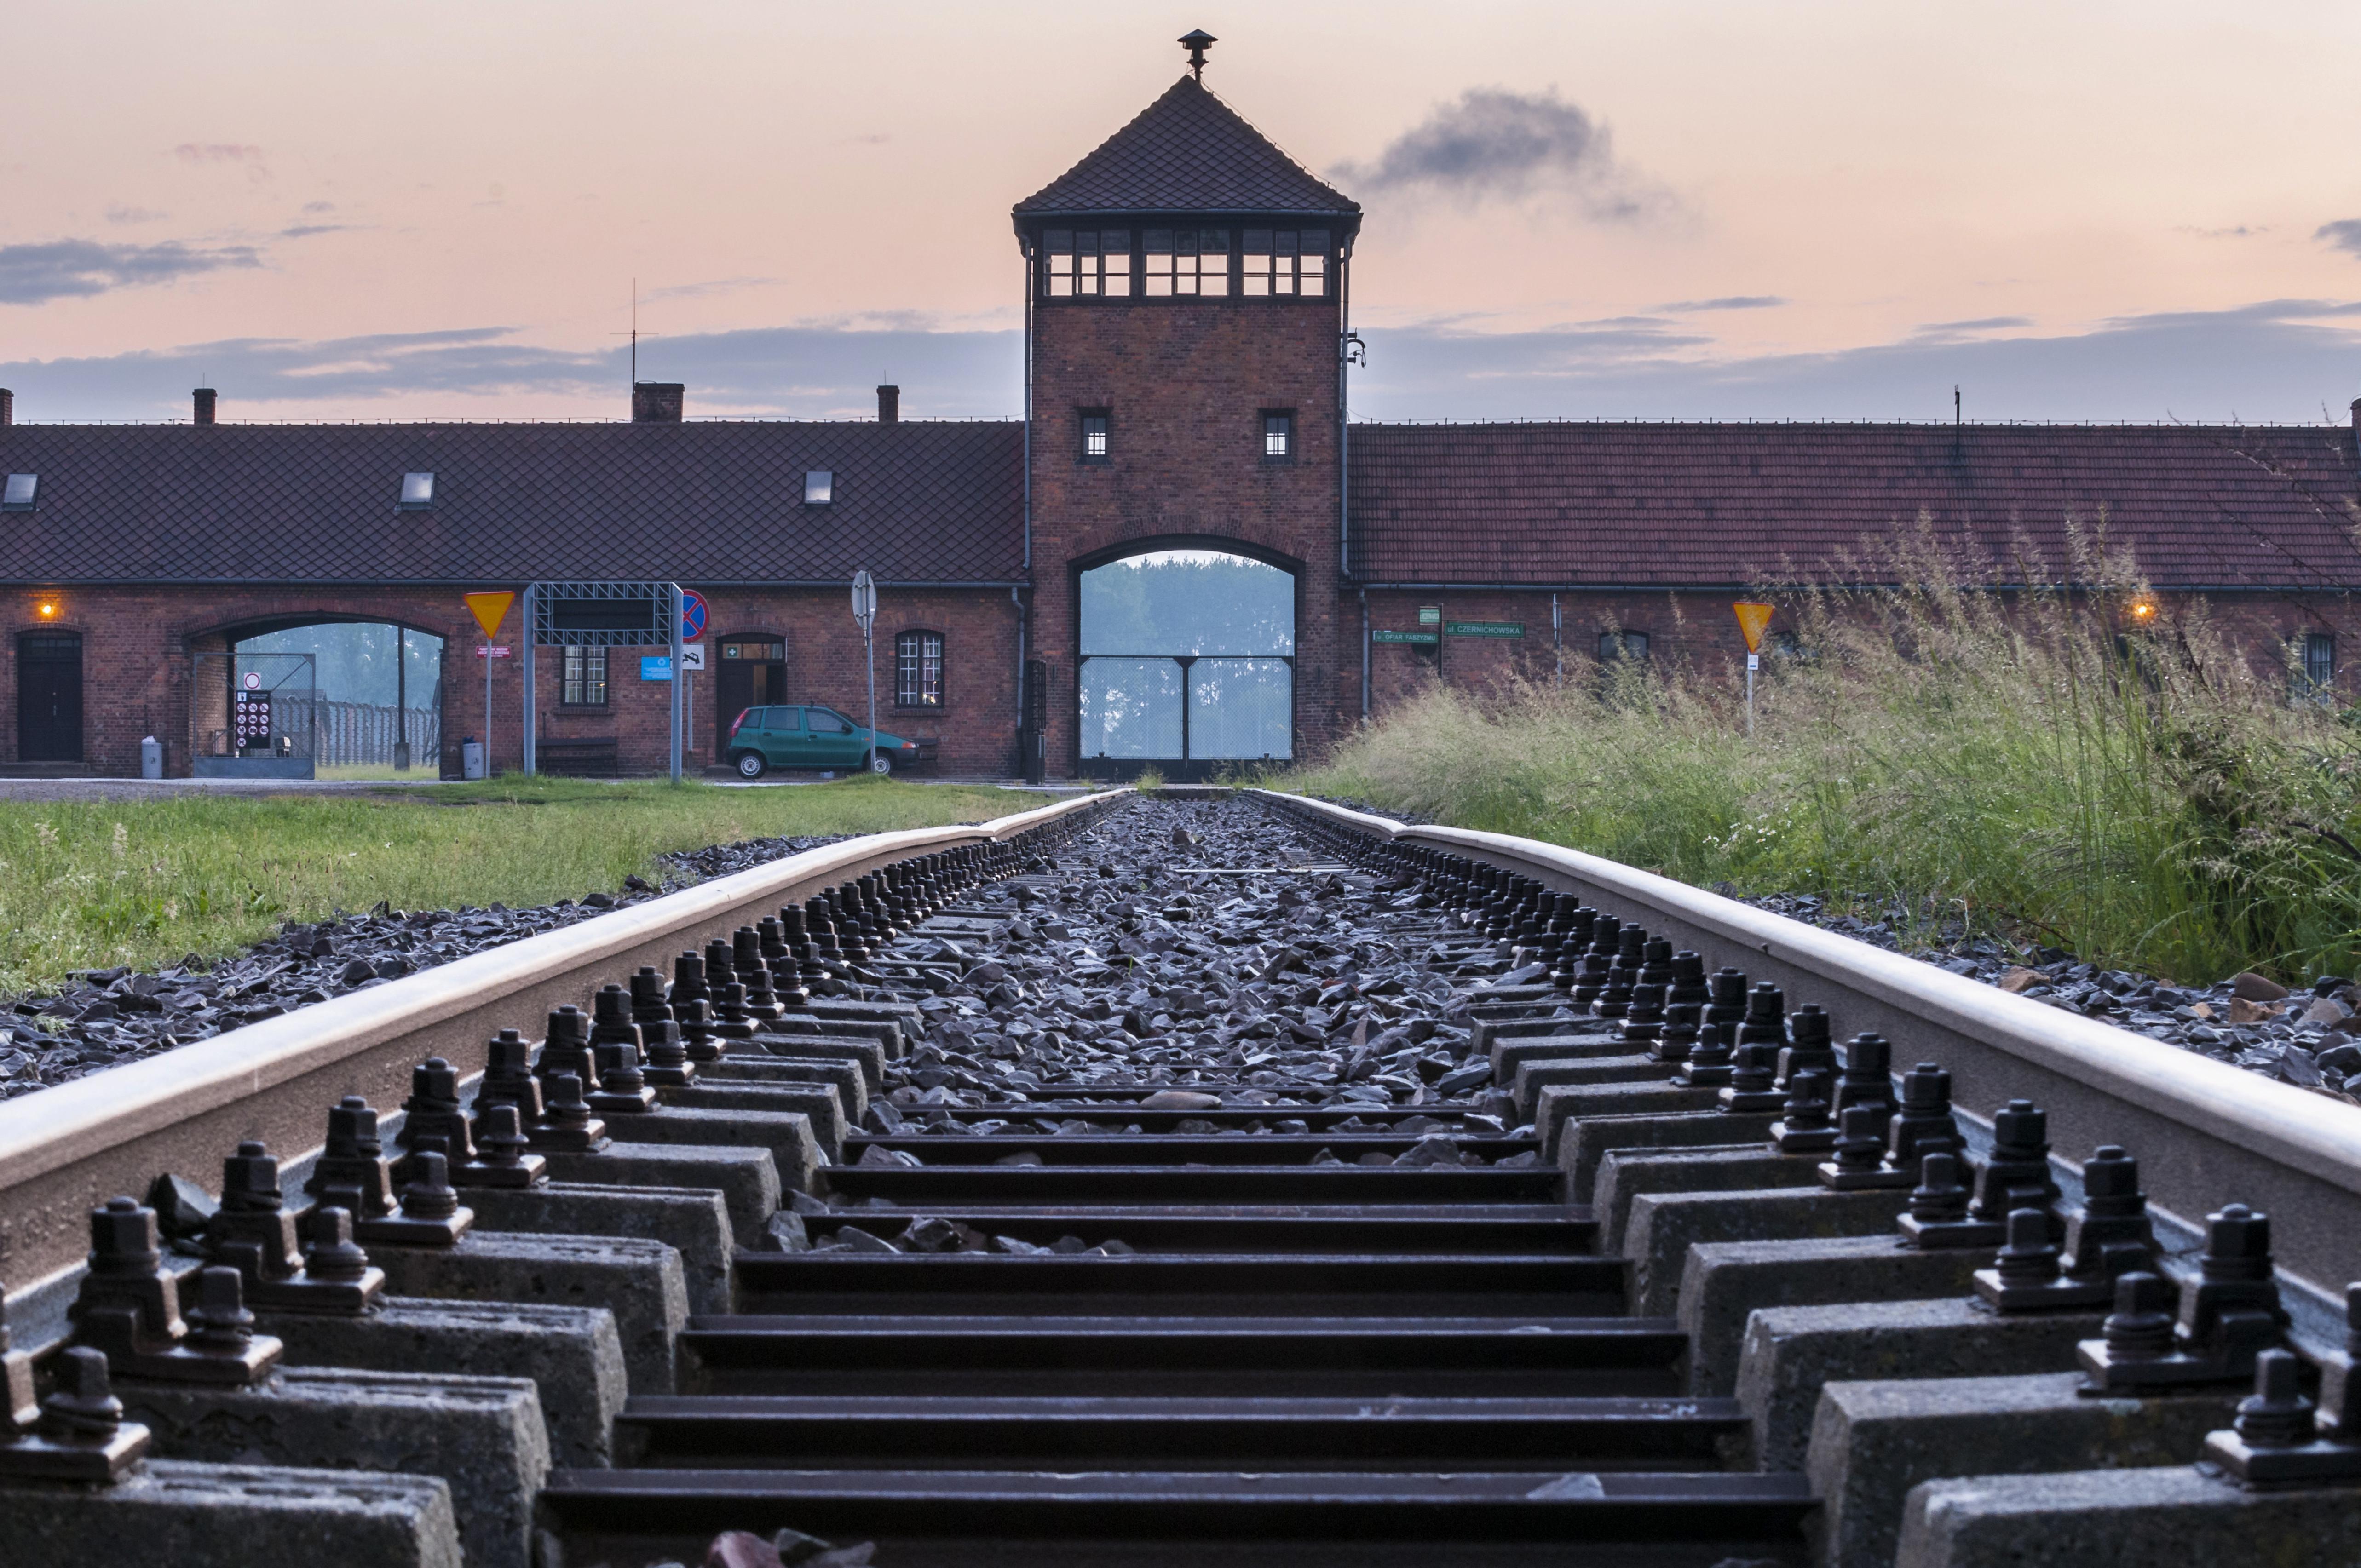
column 1147, row 1179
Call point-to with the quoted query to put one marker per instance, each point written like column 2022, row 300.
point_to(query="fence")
column 345, row 733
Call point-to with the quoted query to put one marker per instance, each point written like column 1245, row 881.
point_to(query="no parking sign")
column 692, row 615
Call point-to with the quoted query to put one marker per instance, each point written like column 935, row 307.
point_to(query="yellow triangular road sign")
column 1753, row 618
column 490, row 611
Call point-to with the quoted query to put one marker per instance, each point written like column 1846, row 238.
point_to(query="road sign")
column 253, row 681
column 1753, row 617
column 1428, row 637
column 692, row 655
column 655, row 668
column 864, row 611
column 1485, row 628
column 1430, row 615
column 692, row 618
column 499, row 651
column 864, row 598
column 490, row 611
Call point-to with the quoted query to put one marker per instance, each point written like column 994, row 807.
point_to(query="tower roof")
column 1187, row 152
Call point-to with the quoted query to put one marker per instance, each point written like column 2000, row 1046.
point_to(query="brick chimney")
column 206, row 397
column 657, row 402
column 889, row 405
column 8, row 407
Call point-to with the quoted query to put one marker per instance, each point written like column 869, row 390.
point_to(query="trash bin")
column 471, row 759
column 152, row 758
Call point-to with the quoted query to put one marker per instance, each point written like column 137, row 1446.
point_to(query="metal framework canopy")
column 602, row 615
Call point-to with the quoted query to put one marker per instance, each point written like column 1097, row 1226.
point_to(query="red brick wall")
column 1186, row 382
column 138, row 669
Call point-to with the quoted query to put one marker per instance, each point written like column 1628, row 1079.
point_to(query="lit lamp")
column 49, row 609
column 2143, row 612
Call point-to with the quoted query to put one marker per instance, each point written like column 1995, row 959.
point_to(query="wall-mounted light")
column 2143, row 612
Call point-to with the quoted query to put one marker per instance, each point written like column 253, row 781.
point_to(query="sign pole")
column 864, row 611
column 1753, row 617
column 490, row 609
column 529, row 701
column 679, row 675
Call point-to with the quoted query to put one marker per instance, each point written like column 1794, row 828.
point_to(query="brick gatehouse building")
column 1187, row 350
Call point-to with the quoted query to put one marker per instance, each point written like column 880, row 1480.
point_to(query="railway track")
column 1171, row 1180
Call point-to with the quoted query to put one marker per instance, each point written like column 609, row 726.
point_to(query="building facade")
column 1189, row 356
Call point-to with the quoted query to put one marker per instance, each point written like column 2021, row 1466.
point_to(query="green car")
column 762, row 738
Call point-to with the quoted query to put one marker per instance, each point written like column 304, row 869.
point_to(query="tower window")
column 1087, row 263
column 1188, row 261
column 1284, row 261
column 1278, row 435
column 919, row 669
column 1095, row 446
column 583, row 680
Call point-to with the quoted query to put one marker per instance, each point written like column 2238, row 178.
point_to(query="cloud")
column 134, row 216
column 2233, row 231
column 1969, row 328
column 2275, row 360
column 67, row 269
column 319, row 206
column 714, row 286
column 304, row 231
column 804, row 371
column 1725, row 303
column 2345, row 234
column 1497, row 144
column 217, row 152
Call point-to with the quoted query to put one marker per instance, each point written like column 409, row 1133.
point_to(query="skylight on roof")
column 417, row 491
column 820, row 486
column 17, row 494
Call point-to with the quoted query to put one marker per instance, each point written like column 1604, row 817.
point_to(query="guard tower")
column 1186, row 289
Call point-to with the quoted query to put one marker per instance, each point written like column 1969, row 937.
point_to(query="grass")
column 144, row 882
column 2058, row 770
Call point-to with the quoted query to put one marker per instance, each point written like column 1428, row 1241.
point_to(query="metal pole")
column 1750, row 697
column 401, row 699
column 528, row 654
column 868, row 653
column 672, row 602
column 488, row 705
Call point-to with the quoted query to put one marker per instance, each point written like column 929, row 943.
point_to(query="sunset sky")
column 1816, row 209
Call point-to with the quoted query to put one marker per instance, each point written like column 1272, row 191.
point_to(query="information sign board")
column 1427, row 637
column 655, row 668
column 1485, row 628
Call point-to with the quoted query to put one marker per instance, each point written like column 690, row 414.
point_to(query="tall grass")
column 87, row 884
column 2059, row 769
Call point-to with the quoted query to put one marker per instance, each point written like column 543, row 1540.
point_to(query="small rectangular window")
column 820, row 486
column 919, row 669
column 1095, row 441
column 1278, row 435
column 585, row 680
column 2319, row 661
column 1086, row 263
column 17, row 494
column 417, row 492
column 1283, row 262
column 1614, row 645
column 1190, row 262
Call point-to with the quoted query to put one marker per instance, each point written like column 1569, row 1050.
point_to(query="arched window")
column 919, row 669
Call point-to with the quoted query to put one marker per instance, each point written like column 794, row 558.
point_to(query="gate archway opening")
column 1187, row 664
column 377, row 707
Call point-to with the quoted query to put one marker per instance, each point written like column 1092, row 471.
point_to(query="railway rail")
column 1155, row 1180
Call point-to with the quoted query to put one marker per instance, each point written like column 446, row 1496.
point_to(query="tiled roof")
column 707, row 502
column 1659, row 505
column 1187, row 152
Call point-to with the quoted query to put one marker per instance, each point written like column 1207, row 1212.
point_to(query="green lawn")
column 145, row 882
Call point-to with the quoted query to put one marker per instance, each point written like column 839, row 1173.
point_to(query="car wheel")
column 879, row 762
column 752, row 765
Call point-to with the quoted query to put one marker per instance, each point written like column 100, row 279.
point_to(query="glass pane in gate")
column 1130, row 707
column 1241, row 709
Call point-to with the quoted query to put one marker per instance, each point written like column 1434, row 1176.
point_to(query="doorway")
column 49, row 697
column 751, row 673
column 1187, row 663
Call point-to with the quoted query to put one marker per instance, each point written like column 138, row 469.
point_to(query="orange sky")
column 2124, row 188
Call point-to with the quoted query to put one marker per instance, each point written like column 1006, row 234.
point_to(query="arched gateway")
column 1187, row 662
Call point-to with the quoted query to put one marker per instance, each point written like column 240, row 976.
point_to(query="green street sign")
column 1430, row 615
column 1485, row 628
column 1401, row 637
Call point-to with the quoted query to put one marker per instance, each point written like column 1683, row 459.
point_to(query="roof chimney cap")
column 7, row 406
column 1197, row 40
column 657, row 402
column 205, row 398
column 889, row 405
